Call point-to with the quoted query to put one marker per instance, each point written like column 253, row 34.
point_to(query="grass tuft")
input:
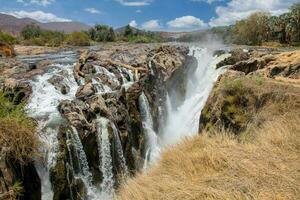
column 18, row 137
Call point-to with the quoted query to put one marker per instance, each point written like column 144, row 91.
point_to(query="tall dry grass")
column 18, row 138
column 221, row 166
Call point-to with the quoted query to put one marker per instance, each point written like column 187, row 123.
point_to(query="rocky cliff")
column 253, row 90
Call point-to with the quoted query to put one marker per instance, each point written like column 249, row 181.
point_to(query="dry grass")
column 220, row 166
column 18, row 137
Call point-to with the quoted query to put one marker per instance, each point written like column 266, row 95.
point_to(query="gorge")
column 110, row 114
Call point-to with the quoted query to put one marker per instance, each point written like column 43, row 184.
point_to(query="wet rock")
column 85, row 91
column 64, row 183
column 58, row 82
column 11, row 172
column 73, row 111
column 219, row 53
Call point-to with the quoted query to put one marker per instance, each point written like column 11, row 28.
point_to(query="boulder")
column 6, row 50
column 237, row 55
column 58, row 82
column 85, row 91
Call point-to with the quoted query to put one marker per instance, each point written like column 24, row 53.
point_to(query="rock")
column 249, row 66
column 237, row 55
column 6, row 50
column 16, row 90
column 219, row 52
column 74, row 113
column 58, row 82
column 85, row 91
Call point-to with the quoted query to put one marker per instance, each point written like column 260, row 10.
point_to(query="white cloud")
column 92, row 11
column 151, row 25
column 186, row 23
column 239, row 9
column 133, row 23
column 37, row 15
column 138, row 11
column 135, row 3
column 37, row 2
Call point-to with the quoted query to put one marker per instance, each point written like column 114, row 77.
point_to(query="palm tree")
column 295, row 20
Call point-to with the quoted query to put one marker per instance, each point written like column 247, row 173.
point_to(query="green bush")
column 31, row 31
column 102, row 33
column 7, row 38
column 78, row 39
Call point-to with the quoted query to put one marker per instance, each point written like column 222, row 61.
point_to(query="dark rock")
column 59, row 83
column 237, row 55
column 219, row 52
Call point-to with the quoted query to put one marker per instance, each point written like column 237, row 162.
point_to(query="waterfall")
column 119, row 150
column 152, row 146
column 107, row 185
column 42, row 106
column 184, row 120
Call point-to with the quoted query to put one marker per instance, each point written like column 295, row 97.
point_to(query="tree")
column 128, row 31
column 102, row 33
column 253, row 30
column 31, row 31
column 295, row 20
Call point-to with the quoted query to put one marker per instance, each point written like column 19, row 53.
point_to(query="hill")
column 14, row 25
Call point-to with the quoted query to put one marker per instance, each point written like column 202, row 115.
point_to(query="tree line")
column 33, row 35
column 261, row 27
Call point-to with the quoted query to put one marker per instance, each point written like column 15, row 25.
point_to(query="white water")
column 119, row 149
column 43, row 107
column 183, row 121
column 152, row 147
column 107, row 185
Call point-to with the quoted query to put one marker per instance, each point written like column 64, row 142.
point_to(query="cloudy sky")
column 169, row 15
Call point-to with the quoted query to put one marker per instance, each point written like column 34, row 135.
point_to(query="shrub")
column 102, row 33
column 31, row 31
column 7, row 38
column 78, row 39
column 17, row 132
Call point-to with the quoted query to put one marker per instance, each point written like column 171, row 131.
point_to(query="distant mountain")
column 14, row 25
column 121, row 30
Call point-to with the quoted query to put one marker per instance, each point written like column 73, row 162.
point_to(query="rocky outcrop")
column 111, row 81
column 271, row 64
column 249, row 89
column 6, row 50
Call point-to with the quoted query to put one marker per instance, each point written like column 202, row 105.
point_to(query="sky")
column 163, row 15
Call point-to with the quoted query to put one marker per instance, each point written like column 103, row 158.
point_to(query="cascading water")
column 107, row 185
column 119, row 150
column 184, row 120
column 43, row 107
column 152, row 147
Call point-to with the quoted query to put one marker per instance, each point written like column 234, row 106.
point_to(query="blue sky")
column 169, row 15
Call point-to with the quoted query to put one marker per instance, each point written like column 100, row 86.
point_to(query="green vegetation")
column 7, row 38
column 17, row 131
column 34, row 35
column 260, row 28
column 102, row 33
column 78, row 39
